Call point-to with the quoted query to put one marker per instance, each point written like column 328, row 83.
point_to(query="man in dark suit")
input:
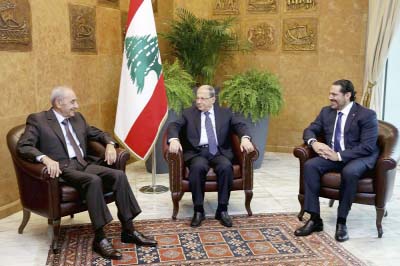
column 205, row 130
column 58, row 139
column 350, row 132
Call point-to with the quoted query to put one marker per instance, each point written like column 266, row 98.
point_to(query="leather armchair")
column 179, row 173
column 374, row 188
column 51, row 197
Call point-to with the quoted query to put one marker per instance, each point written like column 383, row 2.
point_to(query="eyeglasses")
column 202, row 98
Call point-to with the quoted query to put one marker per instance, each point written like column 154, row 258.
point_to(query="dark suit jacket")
column 188, row 129
column 360, row 133
column 43, row 136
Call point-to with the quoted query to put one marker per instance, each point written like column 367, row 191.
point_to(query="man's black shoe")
column 137, row 238
column 224, row 218
column 198, row 217
column 309, row 227
column 341, row 234
column 106, row 250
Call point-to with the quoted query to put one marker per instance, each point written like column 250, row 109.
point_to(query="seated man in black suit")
column 206, row 143
column 58, row 139
column 350, row 132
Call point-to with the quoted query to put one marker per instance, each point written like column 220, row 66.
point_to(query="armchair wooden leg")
column 249, row 196
column 55, row 226
column 176, row 197
column 379, row 216
column 25, row 219
column 331, row 201
column 301, row 201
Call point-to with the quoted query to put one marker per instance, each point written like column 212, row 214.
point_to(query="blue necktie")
column 338, row 133
column 212, row 142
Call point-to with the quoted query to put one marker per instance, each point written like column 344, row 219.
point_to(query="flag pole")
column 153, row 189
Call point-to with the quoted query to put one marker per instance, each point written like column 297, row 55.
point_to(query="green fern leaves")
column 254, row 93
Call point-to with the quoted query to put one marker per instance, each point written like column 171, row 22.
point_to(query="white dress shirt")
column 203, row 133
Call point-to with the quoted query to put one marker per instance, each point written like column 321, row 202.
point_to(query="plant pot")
column 161, row 164
column 259, row 132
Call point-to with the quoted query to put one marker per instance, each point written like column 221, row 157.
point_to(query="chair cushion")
column 211, row 176
column 68, row 193
column 332, row 180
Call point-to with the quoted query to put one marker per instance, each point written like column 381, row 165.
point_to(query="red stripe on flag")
column 144, row 131
column 133, row 7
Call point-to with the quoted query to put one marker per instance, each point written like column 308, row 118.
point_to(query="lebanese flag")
column 142, row 101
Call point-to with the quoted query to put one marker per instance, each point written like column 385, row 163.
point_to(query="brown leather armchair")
column 374, row 188
column 179, row 173
column 51, row 197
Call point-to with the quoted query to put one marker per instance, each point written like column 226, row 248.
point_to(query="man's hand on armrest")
column 53, row 167
column 246, row 145
column 174, row 145
column 110, row 155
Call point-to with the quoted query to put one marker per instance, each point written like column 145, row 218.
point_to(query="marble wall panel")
column 108, row 77
column 84, row 78
column 17, row 86
column 50, row 27
column 342, row 34
column 109, row 3
column 108, row 31
column 51, row 71
column 107, row 115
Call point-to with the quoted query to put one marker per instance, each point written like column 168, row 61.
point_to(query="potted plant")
column 201, row 44
column 256, row 95
column 178, row 84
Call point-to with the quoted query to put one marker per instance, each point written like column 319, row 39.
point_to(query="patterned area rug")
column 263, row 239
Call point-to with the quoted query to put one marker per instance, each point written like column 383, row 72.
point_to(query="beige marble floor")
column 275, row 190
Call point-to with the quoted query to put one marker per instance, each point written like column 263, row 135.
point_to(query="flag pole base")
column 156, row 189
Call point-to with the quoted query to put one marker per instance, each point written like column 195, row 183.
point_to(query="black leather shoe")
column 198, row 217
column 106, row 250
column 309, row 227
column 224, row 218
column 341, row 234
column 137, row 238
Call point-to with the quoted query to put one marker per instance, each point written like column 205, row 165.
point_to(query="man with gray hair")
column 58, row 138
column 206, row 143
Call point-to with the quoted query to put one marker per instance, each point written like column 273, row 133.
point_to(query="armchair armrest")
column 303, row 152
column 175, row 166
column 247, row 167
column 39, row 192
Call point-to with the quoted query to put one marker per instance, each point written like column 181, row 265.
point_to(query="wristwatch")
column 311, row 142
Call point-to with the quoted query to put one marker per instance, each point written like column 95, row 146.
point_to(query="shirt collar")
column 59, row 117
column 347, row 109
column 211, row 111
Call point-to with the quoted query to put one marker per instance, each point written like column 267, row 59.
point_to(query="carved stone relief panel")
column 262, row 6
column 155, row 5
column 300, row 5
column 226, row 7
column 300, row 34
column 263, row 36
column 235, row 35
column 124, row 17
column 82, row 20
column 109, row 3
column 15, row 25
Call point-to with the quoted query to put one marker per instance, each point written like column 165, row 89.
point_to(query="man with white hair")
column 58, row 139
